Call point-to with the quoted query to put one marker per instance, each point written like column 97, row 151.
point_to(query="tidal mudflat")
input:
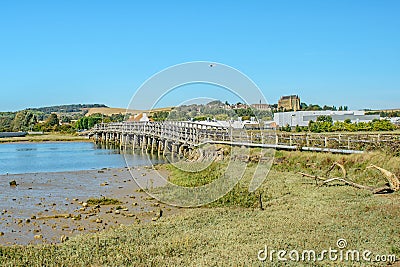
column 51, row 207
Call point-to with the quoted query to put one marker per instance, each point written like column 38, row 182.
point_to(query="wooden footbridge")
column 178, row 137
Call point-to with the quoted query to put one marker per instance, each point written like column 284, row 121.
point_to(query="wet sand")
column 50, row 207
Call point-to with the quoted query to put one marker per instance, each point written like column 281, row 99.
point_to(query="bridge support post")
column 153, row 141
column 143, row 142
column 148, row 147
column 159, row 147
column 134, row 141
column 165, row 147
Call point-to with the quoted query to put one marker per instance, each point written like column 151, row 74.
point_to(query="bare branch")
column 312, row 176
column 348, row 183
column 338, row 165
column 391, row 178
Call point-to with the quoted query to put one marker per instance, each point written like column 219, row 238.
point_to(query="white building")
column 394, row 120
column 238, row 124
column 302, row 118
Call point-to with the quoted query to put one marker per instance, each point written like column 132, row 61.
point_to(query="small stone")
column 33, row 217
column 134, row 204
column 37, row 236
column 28, row 220
column 1, row 233
column 13, row 183
column 81, row 228
column 84, row 204
column 117, row 212
column 104, row 184
column 98, row 220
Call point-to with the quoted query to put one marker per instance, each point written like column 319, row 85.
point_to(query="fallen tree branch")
column 348, row 183
column 312, row 176
column 338, row 165
column 390, row 177
column 394, row 183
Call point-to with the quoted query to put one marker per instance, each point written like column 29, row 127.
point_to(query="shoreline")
column 48, row 208
column 49, row 137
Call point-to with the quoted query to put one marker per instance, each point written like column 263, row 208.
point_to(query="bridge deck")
column 194, row 134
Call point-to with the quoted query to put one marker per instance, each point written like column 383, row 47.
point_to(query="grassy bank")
column 297, row 215
column 47, row 137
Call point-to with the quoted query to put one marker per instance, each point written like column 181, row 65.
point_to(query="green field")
column 298, row 215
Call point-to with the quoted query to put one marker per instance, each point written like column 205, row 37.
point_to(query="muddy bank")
column 50, row 207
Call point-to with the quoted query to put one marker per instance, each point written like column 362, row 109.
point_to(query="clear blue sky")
column 326, row 51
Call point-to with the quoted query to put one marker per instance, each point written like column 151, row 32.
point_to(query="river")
column 16, row 158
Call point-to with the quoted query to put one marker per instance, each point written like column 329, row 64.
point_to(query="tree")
column 286, row 128
column 323, row 124
column 325, row 118
column 24, row 120
column 160, row 116
column 52, row 120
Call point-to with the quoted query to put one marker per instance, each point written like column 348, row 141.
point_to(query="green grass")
column 297, row 215
column 103, row 201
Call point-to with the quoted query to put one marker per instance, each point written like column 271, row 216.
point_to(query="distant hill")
column 73, row 108
column 111, row 111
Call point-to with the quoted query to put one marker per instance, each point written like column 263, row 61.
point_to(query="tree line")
column 29, row 120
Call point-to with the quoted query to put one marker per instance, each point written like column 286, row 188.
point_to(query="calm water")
column 18, row 158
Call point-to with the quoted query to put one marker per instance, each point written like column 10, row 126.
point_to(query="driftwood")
column 340, row 166
column 391, row 178
column 392, row 186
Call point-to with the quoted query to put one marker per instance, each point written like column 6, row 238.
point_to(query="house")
column 140, row 117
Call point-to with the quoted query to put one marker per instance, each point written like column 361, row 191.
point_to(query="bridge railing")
column 194, row 133
column 188, row 132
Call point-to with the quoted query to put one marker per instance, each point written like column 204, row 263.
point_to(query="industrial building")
column 302, row 118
